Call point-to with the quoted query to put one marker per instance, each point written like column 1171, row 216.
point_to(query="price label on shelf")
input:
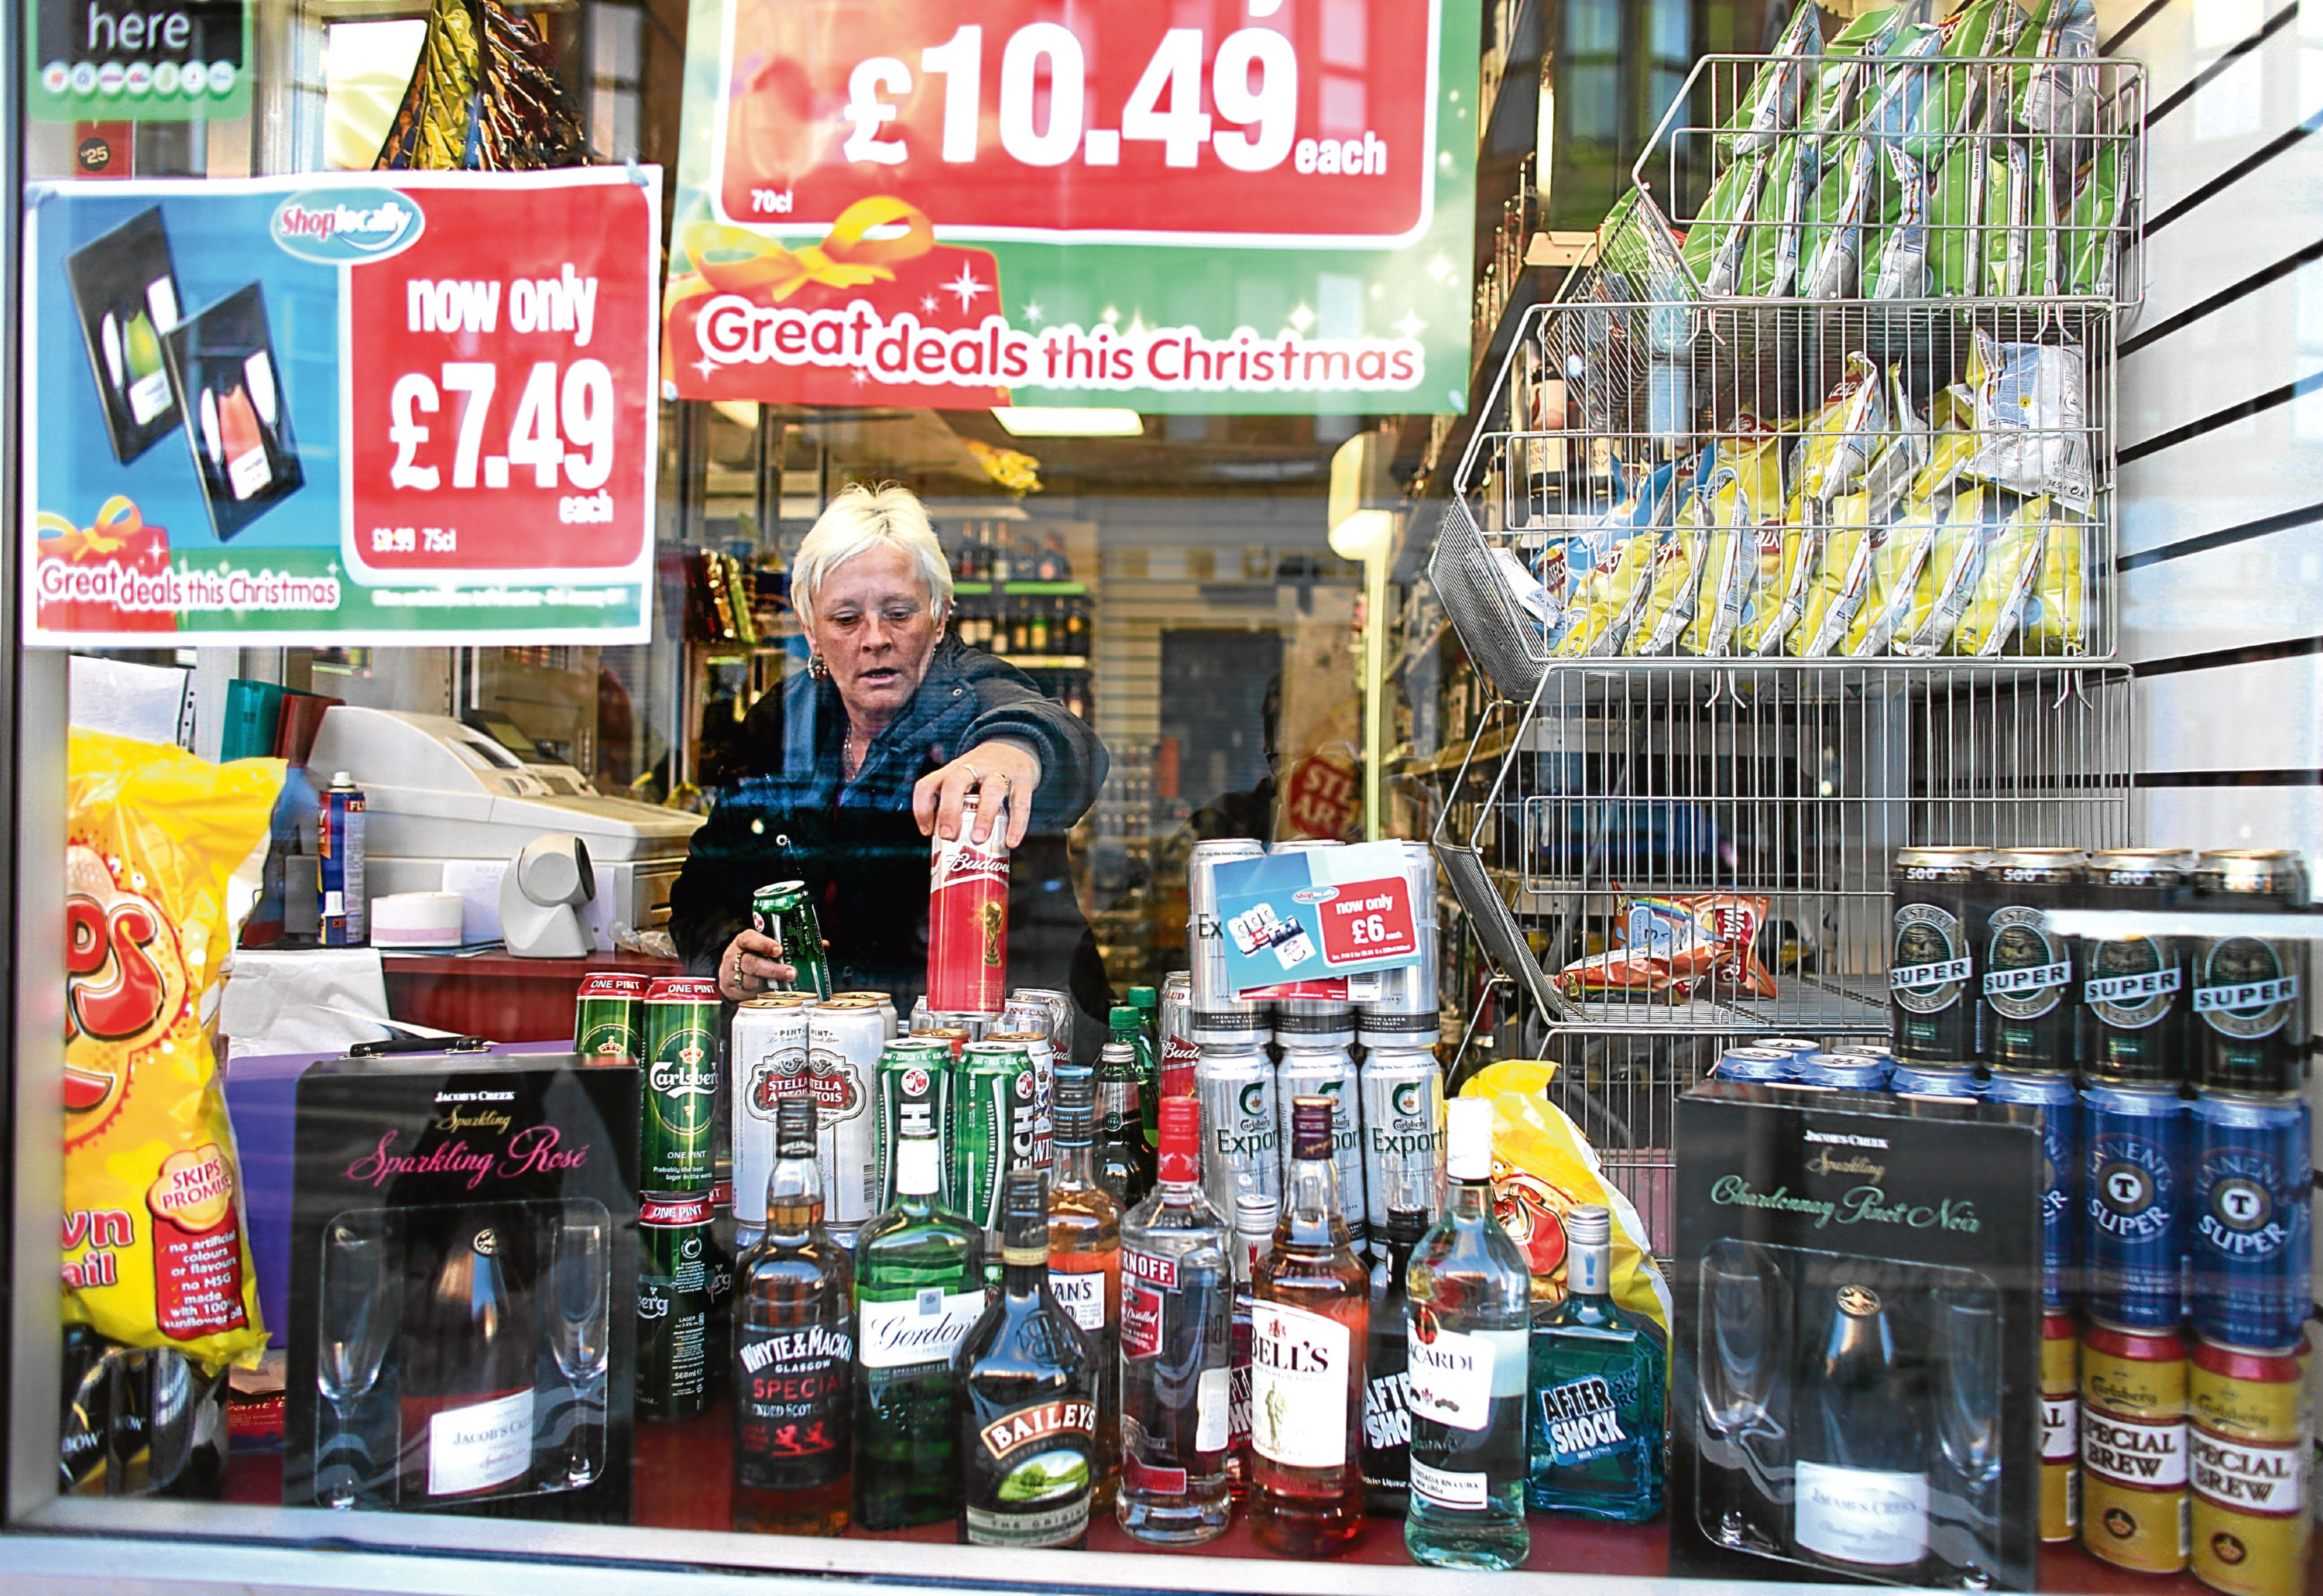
column 1269, row 121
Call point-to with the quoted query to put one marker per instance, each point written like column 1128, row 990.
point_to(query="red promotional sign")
column 1247, row 122
column 1369, row 919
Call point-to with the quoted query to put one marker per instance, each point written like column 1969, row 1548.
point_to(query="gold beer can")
column 2061, row 1428
column 2135, row 1508
column 2248, row 1451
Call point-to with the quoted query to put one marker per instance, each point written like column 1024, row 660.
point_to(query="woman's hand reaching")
column 993, row 771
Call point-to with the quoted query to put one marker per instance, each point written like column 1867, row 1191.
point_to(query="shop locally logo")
column 334, row 226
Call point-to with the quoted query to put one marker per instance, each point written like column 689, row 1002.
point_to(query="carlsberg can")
column 1403, row 1101
column 675, row 1258
column 2133, row 1496
column 2247, row 1452
column 678, row 1085
column 608, row 1018
column 1242, row 1148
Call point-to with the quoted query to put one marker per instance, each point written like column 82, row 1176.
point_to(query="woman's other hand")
column 994, row 772
column 750, row 966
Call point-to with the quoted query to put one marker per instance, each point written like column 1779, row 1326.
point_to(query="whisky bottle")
column 1468, row 1293
column 1862, row 1447
column 1121, row 1165
column 1027, row 1403
column 1254, row 1218
column 1387, row 1411
column 919, row 1290
column 466, row 1358
column 1594, row 1446
column 794, row 1352
column 1177, row 1325
column 1310, row 1315
column 1085, row 1267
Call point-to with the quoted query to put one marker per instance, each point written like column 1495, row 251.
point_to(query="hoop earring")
column 818, row 667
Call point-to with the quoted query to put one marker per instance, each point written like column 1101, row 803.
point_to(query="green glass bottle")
column 1594, row 1440
column 1139, row 1027
column 919, row 1289
column 1124, row 1166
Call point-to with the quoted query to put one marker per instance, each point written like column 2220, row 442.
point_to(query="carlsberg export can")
column 1328, row 1072
column 1402, row 1105
column 609, row 1018
column 1242, row 1149
column 2028, row 968
column 844, row 1040
column 914, row 1084
column 678, row 1085
column 783, row 910
column 2135, row 998
column 2248, row 1457
column 675, row 1260
column 766, row 1056
column 2061, row 1428
column 968, row 917
column 1932, row 964
column 2135, row 1511
column 2250, row 1030
column 992, row 1126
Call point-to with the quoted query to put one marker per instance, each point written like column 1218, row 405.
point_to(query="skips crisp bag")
column 163, row 859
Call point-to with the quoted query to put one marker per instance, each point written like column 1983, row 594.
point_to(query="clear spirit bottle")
column 1084, row 1266
column 1255, row 1219
column 1176, row 1323
column 1595, row 1445
column 1468, row 1294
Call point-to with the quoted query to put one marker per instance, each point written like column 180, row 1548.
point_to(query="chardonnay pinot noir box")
column 463, row 1264
column 1856, row 1360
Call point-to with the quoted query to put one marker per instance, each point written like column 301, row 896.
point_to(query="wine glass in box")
column 580, row 1328
column 362, row 1304
column 1742, row 1351
column 1968, row 1404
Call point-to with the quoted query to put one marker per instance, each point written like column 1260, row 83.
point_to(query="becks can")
column 675, row 1264
column 1402, row 1111
column 1909, row 1080
column 992, row 1126
column 915, row 1087
column 678, row 1085
column 2028, row 968
column 2133, row 1191
column 1214, row 1003
column 767, row 1058
column 1242, row 1148
column 2250, row 1177
column 1932, row 995
column 968, row 917
column 782, row 909
column 1330, row 1072
column 1764, row 1065
column 2061, row 1171
column 1846, row 1071
column 1035, row 1046
column 2250, row 1030
column 340, row 867
column 2135, row 992
column 2247, row 1453
column 844, row 1040
column 2135, row 1509
column 2061, row 1428
column 609, row 1018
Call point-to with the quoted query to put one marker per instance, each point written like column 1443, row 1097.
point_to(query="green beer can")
column 995, row 1127
column 678, row 1085
column 677, row 1263
column 914, row 1085
column 607, row 1019
column 783, row 910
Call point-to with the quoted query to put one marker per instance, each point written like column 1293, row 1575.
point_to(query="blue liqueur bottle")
column 1597, row 1392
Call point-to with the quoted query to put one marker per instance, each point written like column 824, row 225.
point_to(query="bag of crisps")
column 1543, row 1167
column 162, row 858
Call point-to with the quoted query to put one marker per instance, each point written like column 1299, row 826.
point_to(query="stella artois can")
column 766, row 1056
column 967, row 917
column 844, row 1038
column 884, row 1002
column 678, row 1114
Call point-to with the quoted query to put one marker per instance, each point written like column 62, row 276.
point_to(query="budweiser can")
column 1402, row 1097
column 1217, row 1014
column 885, row 1004
column 844, row 1038
column 1242, row 1147
column 1179, row 1053
column 1060, row 1005
column 967, row 917
column 1327, row 1071
column 769, row 1050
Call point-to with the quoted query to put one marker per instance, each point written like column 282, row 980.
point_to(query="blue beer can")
column 2060, row 1162
column 1758, row 1064
column 1798, row 1048
column 2250, row 1169
column 1848, row 1071
column 1868, row 1050
column 2132, row 1170
column 1912, row 1080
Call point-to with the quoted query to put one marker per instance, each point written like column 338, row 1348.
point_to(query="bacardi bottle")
column 794, row 1351
column 1085, row 1269
column 1595, row 1446
column 1310, row 1317
column 1469, row 1292
column 467, row 1358
column 1387, row 1384
column 1176, row 1323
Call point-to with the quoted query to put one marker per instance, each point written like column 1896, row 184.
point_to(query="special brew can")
column 2061, row 1171
column 1242, row 1149
column 1402, row 1111
column 678, row 1086
column 2134, row 1507
column 2250, row 1030
column 2134, row 991
column 845, row 1038
column 2247, row 1448
column 1763, row 1064
column 968, row 917
column 914, row 1087
column 783, row 911
column 675, row 1264
column 2061, row 1428
column 609, row 1018
column 2133, row 1191
column 1330, row 1072
column 2250, row 1173
column 767, row 1058
column 1909, row 1080
column 1845, row 1071
column 1931, row 962
column 992, row 1127
column 2027, row 965
column 1218, row 1014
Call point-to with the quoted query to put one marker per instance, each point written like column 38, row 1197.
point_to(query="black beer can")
column 1932, row 999
column 2027, row 971
column 2249, row 1014
column 2135, row 996
column 676, row 1265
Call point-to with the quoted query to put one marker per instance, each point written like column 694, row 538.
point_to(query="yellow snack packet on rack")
column 1670, row 592
column 1600, row 615
column 1886, row 610
column 2011, row 561
column 1842, row 578
column 163, row 859
column 1947, row 583
column 2055, row 622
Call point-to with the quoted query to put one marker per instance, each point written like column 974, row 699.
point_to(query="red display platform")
column 497, row 996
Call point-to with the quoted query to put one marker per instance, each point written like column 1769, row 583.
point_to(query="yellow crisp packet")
column 1670, row 596
column 1784, row 581
column 1885, row 613
column 1600, row 614
column 1947, row 583
column 161, row 863
column 1842, row 576
column 2055, row 624
column 2011, row 562
column 1543, row 1167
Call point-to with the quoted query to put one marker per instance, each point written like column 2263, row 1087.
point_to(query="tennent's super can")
column 968, row 917
column 674, row 1369
column 844, row 1040
column 2134, row 1497
column 2027, row 965
column 1763, row 1064
column 1906, row 1080
column 678, row 1086
column 783, row 910
column 1241, row 1150
column 1330, row 1072
column 609, row 1018
column 914, row 1085
column 2060, row 1164
column 1931, row 960
column 2134, row 1192
column 2061, row 1428
column 2248, row 1455
column 992, row 1126
column 2250, row 1174
column 2249, row 1027
column 766, row 1056
column 1849, row 1071
column 2135, row 999
column 1402, row 1096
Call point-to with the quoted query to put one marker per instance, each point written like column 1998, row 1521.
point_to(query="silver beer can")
column 934, row 1020
column 1215, row 1007
column 887, row 1001
column 844, row 1040
column 1328, row 1071
column 1060, row 1005
column 1242, row 1148
column 768, row 1047
column 1179, row 1053
column 1402, row 1093
column 1313, row 1023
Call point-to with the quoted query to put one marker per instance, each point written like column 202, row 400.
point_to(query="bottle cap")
column 1179, row 1155
column 1142, row 998
column 1118, row 1052
column 1125, row 1016
column 1256, row 1214
column 1589, row 1225
column 1025, row 1216
column 340, row 778
column 1310, row 1127
column 794, row 1127
column 1409, row 1224
column 1468, row 1138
